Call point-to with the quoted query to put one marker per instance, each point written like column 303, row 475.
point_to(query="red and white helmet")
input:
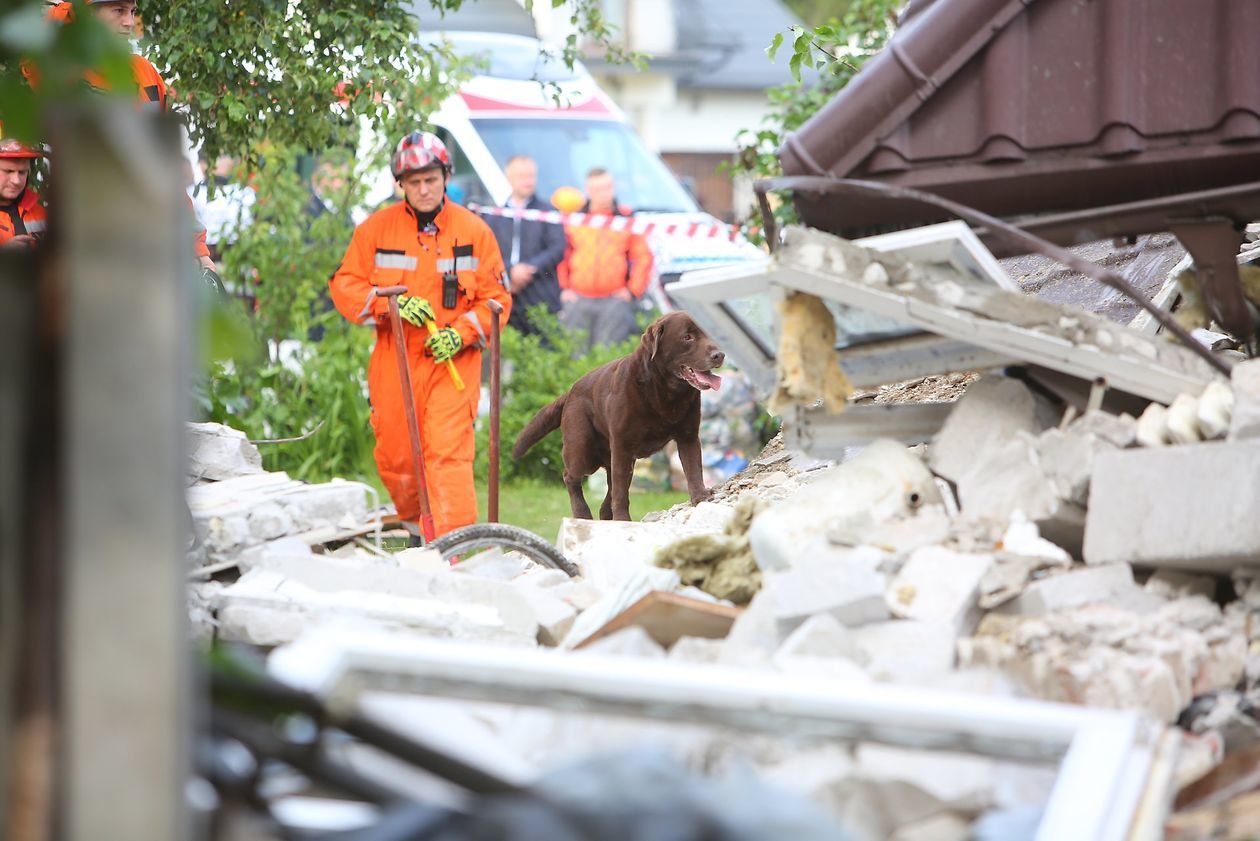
column 418, row 150
column 10, row 149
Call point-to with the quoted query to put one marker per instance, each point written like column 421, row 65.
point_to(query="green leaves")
column 774, row 45
column 836, row 49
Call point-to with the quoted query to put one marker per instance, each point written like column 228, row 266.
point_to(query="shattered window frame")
column 884, row 353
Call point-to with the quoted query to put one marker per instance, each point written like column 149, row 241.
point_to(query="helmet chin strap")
column 424, row 220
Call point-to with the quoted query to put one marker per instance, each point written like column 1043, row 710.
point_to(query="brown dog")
column 629, row 409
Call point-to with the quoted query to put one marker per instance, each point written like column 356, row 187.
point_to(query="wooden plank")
column 667, row 617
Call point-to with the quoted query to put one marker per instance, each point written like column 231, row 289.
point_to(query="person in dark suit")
column 531, row 250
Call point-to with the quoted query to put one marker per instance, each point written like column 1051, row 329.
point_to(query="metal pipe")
column 496, row 366
column 427, row 528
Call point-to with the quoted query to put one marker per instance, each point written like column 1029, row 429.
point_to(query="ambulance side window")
column 465, row 185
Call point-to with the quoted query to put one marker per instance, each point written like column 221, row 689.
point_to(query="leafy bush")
column 285, row 257
column 541, row 369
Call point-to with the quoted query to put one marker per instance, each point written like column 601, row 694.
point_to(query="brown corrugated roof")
column 1043, row 106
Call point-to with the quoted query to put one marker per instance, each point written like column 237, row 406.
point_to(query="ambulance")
column 526, row 101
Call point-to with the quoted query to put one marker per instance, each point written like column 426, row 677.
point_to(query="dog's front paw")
column 701, row 496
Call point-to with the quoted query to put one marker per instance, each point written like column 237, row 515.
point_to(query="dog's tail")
column 544, row 423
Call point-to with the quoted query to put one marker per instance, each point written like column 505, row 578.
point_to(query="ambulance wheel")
column 502, row 536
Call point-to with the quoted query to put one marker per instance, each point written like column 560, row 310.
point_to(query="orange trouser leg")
column 446, row 433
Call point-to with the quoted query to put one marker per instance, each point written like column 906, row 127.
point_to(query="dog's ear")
column 652, row 338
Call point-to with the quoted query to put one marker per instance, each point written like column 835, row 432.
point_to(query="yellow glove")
column 415, row 310
column 444, row 344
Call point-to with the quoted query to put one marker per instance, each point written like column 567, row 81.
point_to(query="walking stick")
column 427, row 529
column 496, row 366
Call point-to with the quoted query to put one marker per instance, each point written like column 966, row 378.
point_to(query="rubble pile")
column 1021, row 553
column 237, row 507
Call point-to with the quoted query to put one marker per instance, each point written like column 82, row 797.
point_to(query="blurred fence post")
column 124, row 236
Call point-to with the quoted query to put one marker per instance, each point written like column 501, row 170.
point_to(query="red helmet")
column 418, row 150
column 10, row 149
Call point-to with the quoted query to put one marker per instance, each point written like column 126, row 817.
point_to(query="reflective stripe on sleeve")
column 477, row 324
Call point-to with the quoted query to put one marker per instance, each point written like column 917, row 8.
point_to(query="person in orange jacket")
column 22, row 219
column 449, row 261
column 120, row 17
column 605, row 271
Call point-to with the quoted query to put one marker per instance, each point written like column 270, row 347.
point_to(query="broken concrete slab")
column 237, row 514
column 555, row 616
column 905, row 650
column 1086, row 585
column 1010, row 481
column 217, row 452
column 819, row 636
column 1188, row 507
column 991, row 410
column 884, row 479
column 266, row 607
column 850, row 589
column 1245, row 421
column 939, row 585
column 306, row 587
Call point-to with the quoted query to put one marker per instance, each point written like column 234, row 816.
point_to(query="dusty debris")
column 808, row 371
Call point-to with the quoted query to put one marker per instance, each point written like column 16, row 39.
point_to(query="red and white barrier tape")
column 634, row 224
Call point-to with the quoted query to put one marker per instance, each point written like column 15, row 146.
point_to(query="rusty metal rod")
column 1001, row 230
column 427, row 529
column 496, row 366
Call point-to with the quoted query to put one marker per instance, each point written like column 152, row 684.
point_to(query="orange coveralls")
column 388, row 249
column 26, row 211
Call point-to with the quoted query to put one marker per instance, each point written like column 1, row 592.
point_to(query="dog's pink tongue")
column 710, row 379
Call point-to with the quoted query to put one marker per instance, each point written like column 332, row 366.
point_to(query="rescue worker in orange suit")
column 605, row 271
column 450, row 263
column 120, row 17
column 22, row 219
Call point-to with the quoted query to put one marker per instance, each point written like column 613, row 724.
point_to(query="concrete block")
column 217, row 452
column 939, row 585
column 1118, row 430
column 696, row 650
column 633, row 641
column 1009, row 480
column 884, row 480
column 1245, row 380
column 851, row 591
column 1215, row 410
column 1190, row 507
column 555, row 616
column 905, row 650
column 992, row 410
column 1108, row 584
column 266, row 608
column 819, row 636
column 493, row 564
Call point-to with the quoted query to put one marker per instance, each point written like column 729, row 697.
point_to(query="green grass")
column 539, row 506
